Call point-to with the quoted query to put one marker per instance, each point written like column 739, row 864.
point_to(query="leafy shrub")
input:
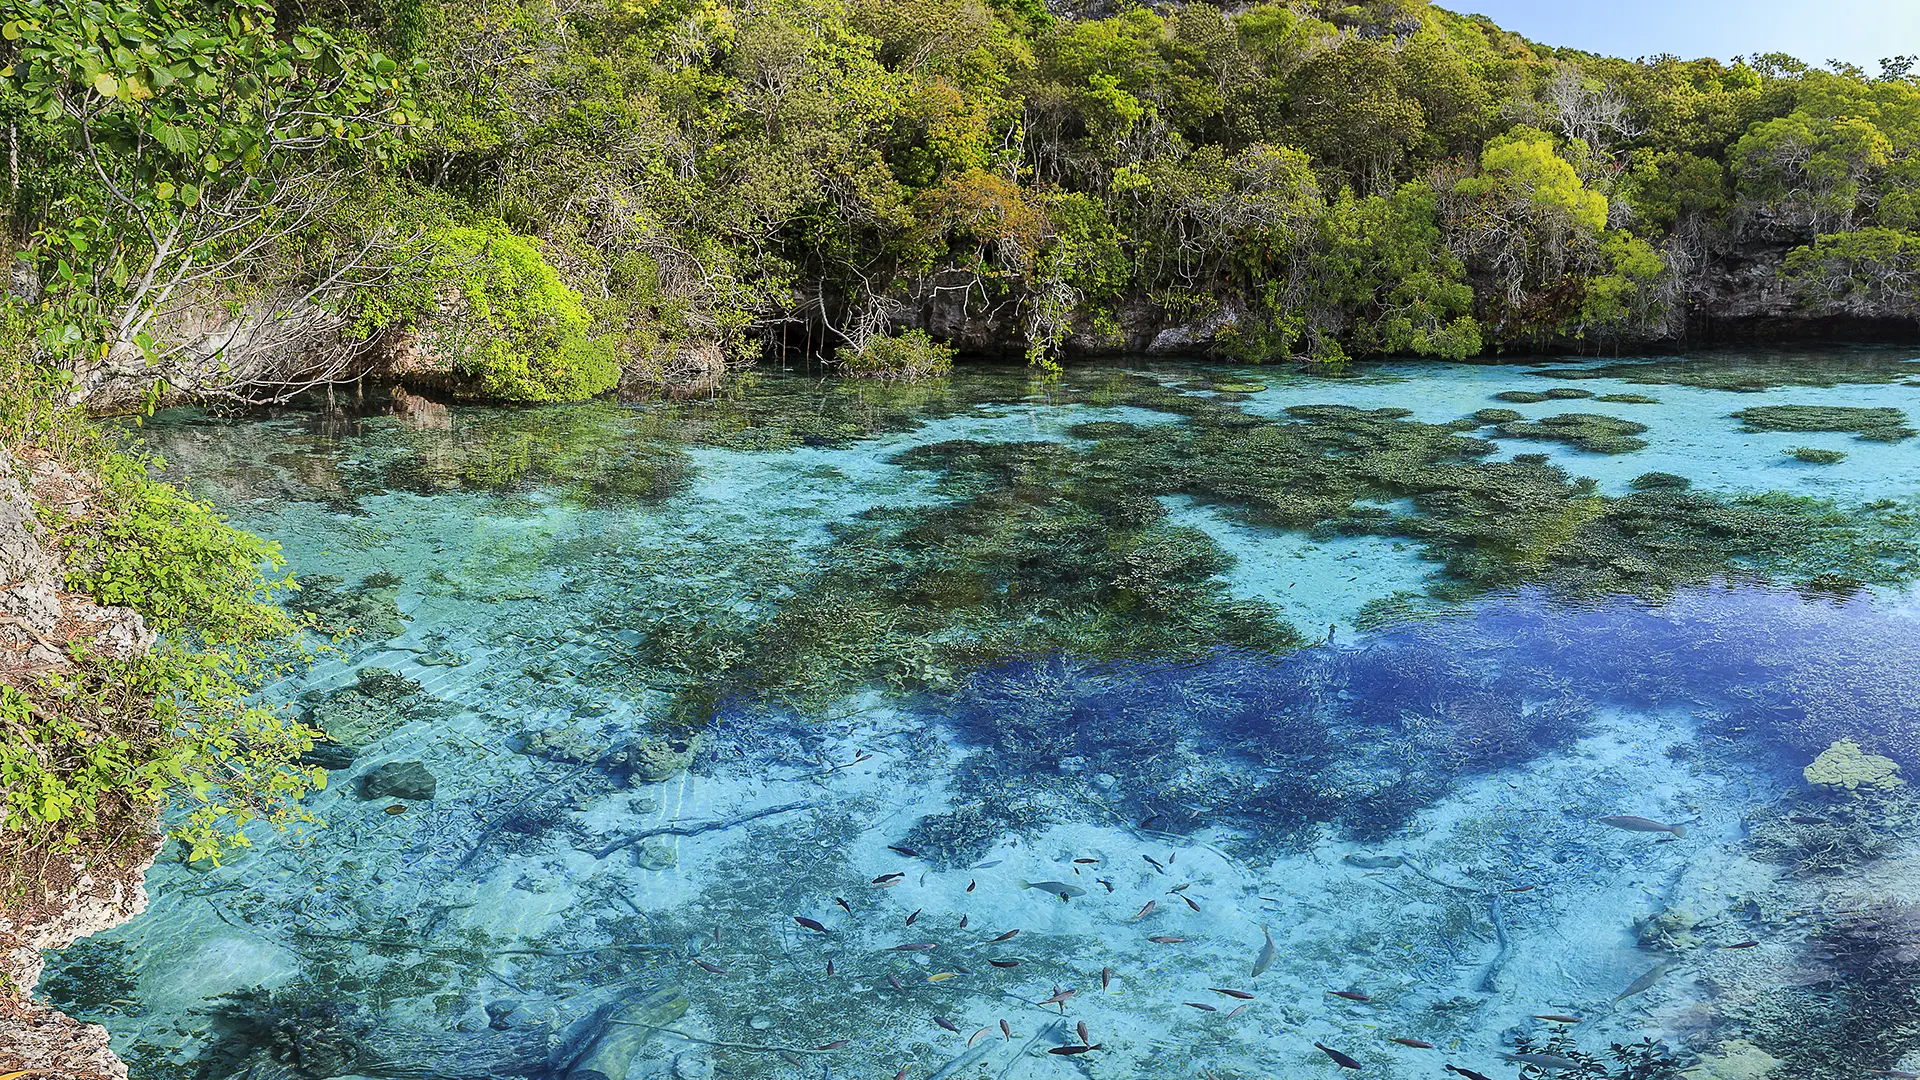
column 521, row 334
column 912, row 355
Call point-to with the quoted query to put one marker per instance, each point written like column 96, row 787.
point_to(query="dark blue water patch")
column 1363, row 736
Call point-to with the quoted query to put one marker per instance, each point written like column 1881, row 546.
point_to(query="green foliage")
column 908, row 355
column 516, row 329
column 1814, row 455
column 1874, row 425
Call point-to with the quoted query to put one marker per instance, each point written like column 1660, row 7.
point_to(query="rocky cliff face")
column 56, row 898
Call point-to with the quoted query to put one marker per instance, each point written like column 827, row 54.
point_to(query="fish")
column 1521, row 888
column 1557, row 1018
column 1170, row 857
column 1807, row 819
column 947, row 1024
column 1146, row 909
column 1069, row 1050
column 829, row 967
column 1345, row 1061
column 715, row 968
column 885, row 879
column 971, row 884
column 1006, row 1029
column 1375, row 862
column 901, row 1075
column 814, row 925
column 1008, row 936
column 1106, row 977
column 844, row 906
column 1059, row 998
column 942, row 976
column 793, row 1061
column 915, row 915
column 1417, row 1044
column 914, row 946
column 975, row 1037
column 1191, row 904
column 1086, row 862
column 1237, row 1010
column 1182, row 887
column 1166, row 939
column 1468, row 1073
column 1652, row 976
column 1155, row 863
column 958, row 970
column 1149, row 819
column 1553, row 1062
column 834, row 1045
column 1640, row 824
column 1061, row 888
column 397, row 808
column 1268, row 954
column 894, row 981
column 1202, row 1006
column 1003, row 963
column 1105, row 882
column 1080, row 1029
column 985, row 865
column 1350, row 995
column 1741, row 945
column 904, row 850
column 1241, row 994
column 963, row 922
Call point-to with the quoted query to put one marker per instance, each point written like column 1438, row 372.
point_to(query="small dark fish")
column 397, row 808
column 1059, row 998
column 1006, row 1029
column 948, row 1024
column 904, row 850
column 1182, row 887
column 1350, row 995
column 1166, row 939
column 844, row 906
column 1105, row 882
column 958, row 970
column 1086, row 862
column 1522, row 888
column 915, row 915
column 1237, row 1010
column 1468, row 1073
column 1340, row 1059
column 1417, row 1044
column 1202, row 1006
column 834, row 1045
column 1146, row 909
column 793, row 1061
column 1106, row 977
column 894, row 981
column 1065, row 1051
column 715, row 968
column 1008, row 936
column 901, row 1075
column 829, row 967
column 812, row 924
column 1190, row 903
column 963, row 922
column 1742, row 945
column 1155, row 863
column 1170, row 856
column 1150, row 819
column 1557, row 1018
column 971, row 884
column 1241, row 994
column 1080, row 1029
column 886, row 878
column 1003, row 963
column 1807, row 819
column 917, row 946
column 1639, row 824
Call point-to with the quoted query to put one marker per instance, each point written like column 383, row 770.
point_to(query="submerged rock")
column 661, row 757
column 398, row 780
column 655, row 855
column 1845, row 765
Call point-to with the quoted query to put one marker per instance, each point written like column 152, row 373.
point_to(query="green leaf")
column 106, row 85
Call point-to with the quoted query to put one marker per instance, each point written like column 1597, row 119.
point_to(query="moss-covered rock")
column 1592, row 432
column 1874, row 425
column 1814, row 455
column 1844, row 765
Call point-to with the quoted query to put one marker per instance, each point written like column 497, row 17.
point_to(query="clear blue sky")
column 1858, row 31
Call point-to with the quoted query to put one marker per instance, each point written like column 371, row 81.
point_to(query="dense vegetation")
column 561, row 196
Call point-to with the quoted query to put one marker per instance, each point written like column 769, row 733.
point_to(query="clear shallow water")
column 1035, row 635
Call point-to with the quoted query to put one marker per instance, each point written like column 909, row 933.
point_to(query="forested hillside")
column 537, row 200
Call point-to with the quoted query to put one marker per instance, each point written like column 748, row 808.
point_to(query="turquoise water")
column 997, row 655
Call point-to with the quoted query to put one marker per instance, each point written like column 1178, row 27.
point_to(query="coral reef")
column 1843, row 765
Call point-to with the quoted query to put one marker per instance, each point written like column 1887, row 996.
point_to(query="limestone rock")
column 398, row 780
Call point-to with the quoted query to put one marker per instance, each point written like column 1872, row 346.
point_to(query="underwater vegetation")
column 1873, row 425
column 1814, row 455
column 1591, row 432
column 1748, row 371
